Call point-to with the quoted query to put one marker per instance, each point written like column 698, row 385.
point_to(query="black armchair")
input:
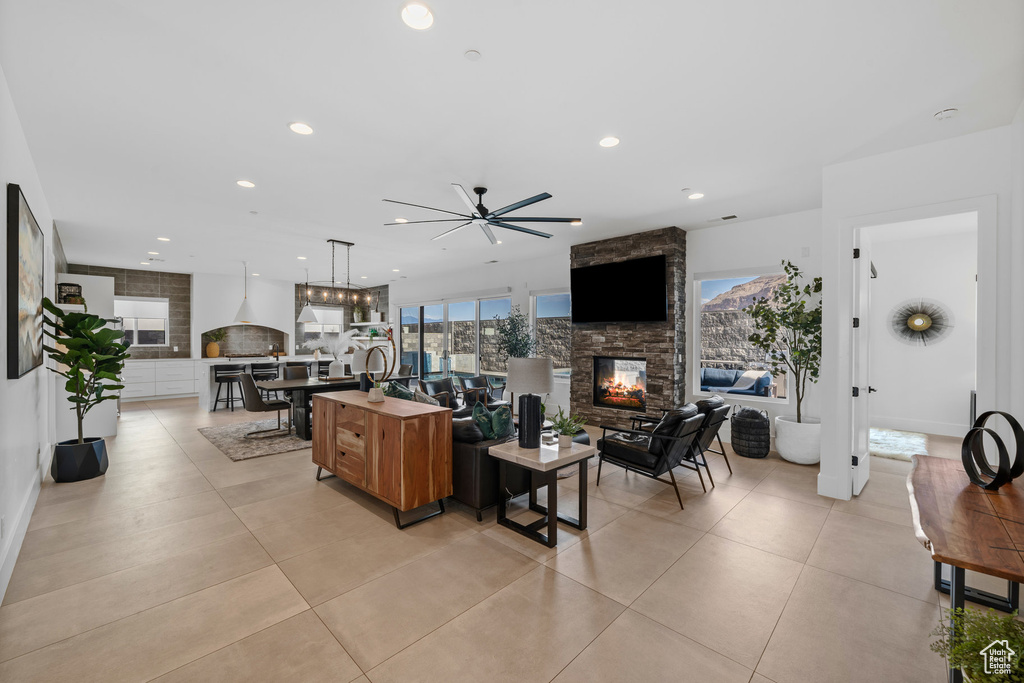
column 444, row 390
column 652, row 454
column 479, row 389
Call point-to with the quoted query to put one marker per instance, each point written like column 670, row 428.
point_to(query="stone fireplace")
column 620, row 383
column 660, row 346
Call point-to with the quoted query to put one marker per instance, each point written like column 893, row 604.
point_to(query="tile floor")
column 180, row 565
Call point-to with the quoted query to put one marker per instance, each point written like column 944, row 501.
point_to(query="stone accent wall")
column 554, row 341
column 723, row 340
column 175, row 287
column 662, row 344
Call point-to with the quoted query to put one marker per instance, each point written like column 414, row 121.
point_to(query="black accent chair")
column 652, row 454
column 479, row 388
column 716, row 412
column 262, row 372
column 229, row 375
column 445, row 391
column 299, row 371
column 254, row 403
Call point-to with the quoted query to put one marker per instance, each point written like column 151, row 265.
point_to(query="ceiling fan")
column 486, row 219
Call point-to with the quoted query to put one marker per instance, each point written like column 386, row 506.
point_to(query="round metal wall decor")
column 972, row 453
column 920, row 322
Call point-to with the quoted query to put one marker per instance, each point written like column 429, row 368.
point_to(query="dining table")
column 301, row 392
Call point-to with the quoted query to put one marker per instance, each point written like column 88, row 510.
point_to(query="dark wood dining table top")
column 299, row 384
column 963, row 524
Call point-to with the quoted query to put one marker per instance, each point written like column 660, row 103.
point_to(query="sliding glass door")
column 460, row 328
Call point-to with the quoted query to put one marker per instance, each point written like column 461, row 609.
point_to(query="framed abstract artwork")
column 24, row 286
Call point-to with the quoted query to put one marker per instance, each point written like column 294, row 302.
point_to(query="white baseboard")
column 15, row 536
column 923, row 426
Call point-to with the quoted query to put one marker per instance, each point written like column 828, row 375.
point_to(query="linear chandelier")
column 331, row 294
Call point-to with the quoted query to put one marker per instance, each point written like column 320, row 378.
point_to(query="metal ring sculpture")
column 972, row 453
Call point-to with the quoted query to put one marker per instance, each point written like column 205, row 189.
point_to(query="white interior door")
column 861, row 330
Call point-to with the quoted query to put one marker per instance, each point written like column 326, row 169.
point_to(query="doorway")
column 915, row 343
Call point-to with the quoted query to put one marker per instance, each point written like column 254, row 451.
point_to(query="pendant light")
column 245, row 314
column 307, row 314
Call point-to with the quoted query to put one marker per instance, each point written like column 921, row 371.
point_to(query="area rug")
column 897, row 445
column 230, row 440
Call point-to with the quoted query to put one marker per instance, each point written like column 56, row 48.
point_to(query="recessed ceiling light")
column 245, row 183
column 609, row 141
column 362, row 277
column 164, row 239
column 255, row 274
column 301, row 128
column 499, row 242
column 696, row 195
column 153, row 253
column 576, row 223
column 301, row 258
column 401, row 220
column 143, row 263
column 472, row 55
column 946, row 114
column 417, row 15
column 394, row 270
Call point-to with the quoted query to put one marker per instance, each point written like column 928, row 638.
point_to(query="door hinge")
column 856, row 322
column 856, row 392
column 856, row 253
column 856, row 461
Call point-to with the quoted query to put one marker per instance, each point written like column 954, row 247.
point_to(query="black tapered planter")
column 73, row 461
column 529, row 421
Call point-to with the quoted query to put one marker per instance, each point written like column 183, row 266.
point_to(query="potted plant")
column 566, row 427
column 214, row 338
column 338, row 346
column 788, row 330
column 91, row 358
column 971, row 638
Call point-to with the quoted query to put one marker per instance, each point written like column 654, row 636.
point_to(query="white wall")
column 967, row 173
column 216, row 298
column 543, row 273
column 25, row 404
column 751, row 247
column 923, row 389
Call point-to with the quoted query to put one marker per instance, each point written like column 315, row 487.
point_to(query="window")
column 554, row 330
column 727, row 362
column 491, row 361
column 144, row 319
column 409, row 337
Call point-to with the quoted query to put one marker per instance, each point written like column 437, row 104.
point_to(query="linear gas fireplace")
column 620, row 383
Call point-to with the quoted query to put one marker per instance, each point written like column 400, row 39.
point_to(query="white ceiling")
column 142, row 115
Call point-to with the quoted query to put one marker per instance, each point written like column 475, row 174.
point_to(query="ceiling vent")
column 489, row 262
column 723, row 218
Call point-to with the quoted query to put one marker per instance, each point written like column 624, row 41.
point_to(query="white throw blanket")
column 745, row 382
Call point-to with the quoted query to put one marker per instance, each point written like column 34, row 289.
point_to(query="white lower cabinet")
column 148, row 379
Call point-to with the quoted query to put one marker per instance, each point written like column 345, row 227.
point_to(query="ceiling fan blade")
column 464, row 196
column 518, row 205
column 538, row 219
column 490, row 233
column 448, row 232
column 516, row 227
column 420, row 206
column 436, row 220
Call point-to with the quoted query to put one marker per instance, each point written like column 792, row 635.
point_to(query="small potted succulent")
column 566, row 427
column 986, row 645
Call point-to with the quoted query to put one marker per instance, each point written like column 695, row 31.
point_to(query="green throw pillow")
column 420, row 397
column 397, row 390
column 482, row 418
column 501, row 422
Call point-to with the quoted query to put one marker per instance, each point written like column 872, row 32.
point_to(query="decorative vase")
column 212, row 350
column 529, row 421
column 375, row 395
column 357, row 315
column 73, row 461
column 565, row 440
column 316, row 354
column 336, row 369
column 798, row 442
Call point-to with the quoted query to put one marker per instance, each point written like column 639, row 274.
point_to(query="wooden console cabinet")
column 399, row 451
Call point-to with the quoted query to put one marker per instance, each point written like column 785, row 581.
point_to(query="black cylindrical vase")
column 529, row 421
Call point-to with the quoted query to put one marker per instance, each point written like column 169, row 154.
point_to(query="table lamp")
column 530, row 377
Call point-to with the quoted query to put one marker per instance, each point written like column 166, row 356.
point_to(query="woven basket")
column 750, row 433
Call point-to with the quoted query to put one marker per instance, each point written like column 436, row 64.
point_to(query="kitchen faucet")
column 275, row 350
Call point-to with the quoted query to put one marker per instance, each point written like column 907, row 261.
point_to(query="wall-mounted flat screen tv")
column 626, row 291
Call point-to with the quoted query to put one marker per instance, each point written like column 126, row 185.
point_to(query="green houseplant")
column 90, row 357
column 968, row 637
column 566, row 427
column 788, row 330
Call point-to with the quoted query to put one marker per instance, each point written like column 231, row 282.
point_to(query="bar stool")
column 230, row 375
column 265, row 371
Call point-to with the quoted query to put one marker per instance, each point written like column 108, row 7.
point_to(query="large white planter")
column 798, row 442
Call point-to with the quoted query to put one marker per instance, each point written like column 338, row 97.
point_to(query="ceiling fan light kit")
column 486, row 219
